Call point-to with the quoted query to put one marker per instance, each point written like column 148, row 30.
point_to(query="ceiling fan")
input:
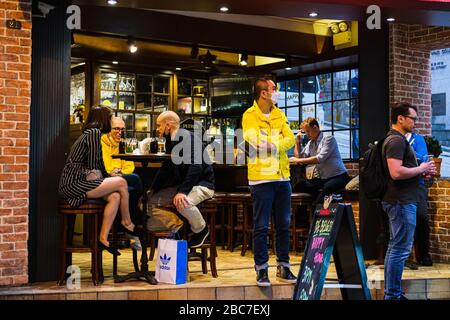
column 206, row 62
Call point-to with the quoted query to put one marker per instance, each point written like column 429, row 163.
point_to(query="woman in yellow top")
column 119, row 167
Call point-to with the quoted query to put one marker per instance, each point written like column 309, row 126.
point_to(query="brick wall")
column 15, row 96
column 352, row 168
column 439, row 211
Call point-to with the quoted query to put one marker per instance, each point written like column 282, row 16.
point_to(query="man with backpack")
column 401, row 195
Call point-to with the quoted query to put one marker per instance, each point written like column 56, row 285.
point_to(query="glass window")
column 341, row 81
column 323, row 116
column 354, row 83
column 341, row 114
column 324, row 84
column 292, row 93
column 343, row 142
column 307, row 90
column 282, row 90
column 293, row 117
column 308, row 111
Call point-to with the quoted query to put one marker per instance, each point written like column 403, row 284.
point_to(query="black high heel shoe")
column 111, row 250
column 137, row 232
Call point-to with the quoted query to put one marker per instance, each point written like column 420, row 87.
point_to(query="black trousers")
column 323, row 187
column 135, row 189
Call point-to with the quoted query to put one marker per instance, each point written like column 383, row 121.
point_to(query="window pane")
column 341, row 85
column 127, row 82
column 108, row 80
column 144, row 102
column 282, row 97
column 292, row 93
column 293, row 116
column 128, row 119
column 341, row 113
column 355, row 144
column 307, row 90
column 354, row 81
column 144, row 83
column 323, row 115
column 308, row 111
column 160, row 103
column 324, row 83
column 343, row 141
column 161, row 85
column 143, row 122
column 108, row 98
column 354, row 108
column 126, row 101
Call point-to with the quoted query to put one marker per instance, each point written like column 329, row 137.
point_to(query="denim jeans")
column 271, row 198
column 402, row 223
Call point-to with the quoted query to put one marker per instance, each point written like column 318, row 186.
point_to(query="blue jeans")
column 267, row 198
column 402, row 223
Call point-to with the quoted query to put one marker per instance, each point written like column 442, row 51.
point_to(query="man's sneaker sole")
column 263, row 284
column 286, row 280
column 201, row 243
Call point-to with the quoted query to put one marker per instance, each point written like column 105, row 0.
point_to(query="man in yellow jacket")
column 125, row 169
column 267, row 130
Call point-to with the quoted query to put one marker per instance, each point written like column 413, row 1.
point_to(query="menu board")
column 332, row 232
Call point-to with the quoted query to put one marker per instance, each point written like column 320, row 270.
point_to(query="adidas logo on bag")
column 165, row 261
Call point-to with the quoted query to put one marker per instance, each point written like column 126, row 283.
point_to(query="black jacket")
column 184, row 175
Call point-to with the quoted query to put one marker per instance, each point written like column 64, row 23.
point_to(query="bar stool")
column 234, row 202
column 92, row 211
column 299, row 199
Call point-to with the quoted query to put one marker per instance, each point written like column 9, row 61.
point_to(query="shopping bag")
column 171, row 262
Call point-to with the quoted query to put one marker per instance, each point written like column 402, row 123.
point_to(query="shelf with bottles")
column 77, row 97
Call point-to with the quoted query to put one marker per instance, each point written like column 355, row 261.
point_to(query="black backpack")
column 374, row 175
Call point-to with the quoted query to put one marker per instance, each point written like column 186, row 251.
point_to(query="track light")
column 343, row 26
column 132, row 46
column 334, row 28
column 224, row 9
column 244, row 58
column 313, row 14
column 112, row 2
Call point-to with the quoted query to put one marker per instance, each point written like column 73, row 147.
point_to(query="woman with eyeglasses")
column 124, row 169
column 84, row 176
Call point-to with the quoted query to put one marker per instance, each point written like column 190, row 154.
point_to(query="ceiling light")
column 178, row 68
column 224, row 9
column 334, row 28
column 288, row 68
column 244, row 58
column 289, row 64
column 313, row 14
column 132, row 46
column 112, row 2
column 115, row 62
column 390, row 19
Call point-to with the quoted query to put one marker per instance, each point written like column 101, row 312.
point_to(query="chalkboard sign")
column 332, row 231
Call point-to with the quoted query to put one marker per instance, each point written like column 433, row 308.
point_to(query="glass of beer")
column 161, row 144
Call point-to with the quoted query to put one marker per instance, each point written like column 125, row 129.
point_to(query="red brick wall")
column 439, row 211
column 352, row 168
column 15, row 96
column 410, row 80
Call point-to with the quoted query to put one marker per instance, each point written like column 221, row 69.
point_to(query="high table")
column 143, row 273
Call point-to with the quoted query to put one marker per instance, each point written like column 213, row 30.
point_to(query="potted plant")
column 434, row 148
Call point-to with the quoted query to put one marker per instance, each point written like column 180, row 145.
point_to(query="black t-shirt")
column 403, row 191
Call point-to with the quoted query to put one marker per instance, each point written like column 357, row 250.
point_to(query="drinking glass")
column 161, row 144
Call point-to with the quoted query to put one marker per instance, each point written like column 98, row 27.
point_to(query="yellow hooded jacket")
column 275, row 129
column 109, row 148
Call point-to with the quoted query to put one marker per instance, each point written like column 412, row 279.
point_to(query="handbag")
column 171, row 262
column 93, row 174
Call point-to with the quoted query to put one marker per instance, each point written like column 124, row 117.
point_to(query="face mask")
column 274, row 97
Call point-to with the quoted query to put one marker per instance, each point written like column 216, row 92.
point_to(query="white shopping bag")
column 171, row 263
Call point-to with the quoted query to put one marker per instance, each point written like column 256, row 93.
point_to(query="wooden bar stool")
column 92, row 211
column 297, row 200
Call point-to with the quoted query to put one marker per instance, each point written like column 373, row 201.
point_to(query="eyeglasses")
column 412, row 118
column 118, row 129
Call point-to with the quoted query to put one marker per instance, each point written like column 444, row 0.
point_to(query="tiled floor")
column 236, row 281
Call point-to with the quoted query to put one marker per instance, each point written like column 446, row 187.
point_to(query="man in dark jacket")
column 186, row 179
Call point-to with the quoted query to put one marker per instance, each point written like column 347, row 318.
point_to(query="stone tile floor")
column 236, row 281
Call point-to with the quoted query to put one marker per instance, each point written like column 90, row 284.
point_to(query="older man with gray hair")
column 184, row 185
